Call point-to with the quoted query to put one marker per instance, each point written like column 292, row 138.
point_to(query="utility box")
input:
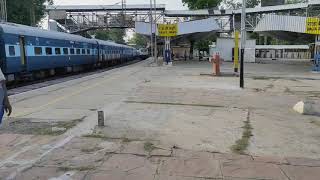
column 226, row 45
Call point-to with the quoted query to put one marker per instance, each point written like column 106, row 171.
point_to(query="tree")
column 201, row 4
column 294, row 1
column 203, row 44
column 115, row 35
column 233, row 4
column 253, row 3
column 139, row 40
column 28, row 12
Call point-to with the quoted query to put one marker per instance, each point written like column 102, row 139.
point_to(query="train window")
column 38, row 50
column 48, row 51
column 12, row 51
column 72, row 51
column 78, row 51
column 65, row 51
column 88, row 51
column 83, row 51
column 57, row 51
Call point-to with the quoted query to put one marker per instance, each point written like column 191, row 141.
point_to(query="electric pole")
column 243, row 41
column 151, row 29
column 155, row 32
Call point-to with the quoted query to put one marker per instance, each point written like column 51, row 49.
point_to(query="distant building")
column 272, row 2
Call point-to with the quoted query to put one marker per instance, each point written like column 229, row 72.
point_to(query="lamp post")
column 155, row 32
column 243, row 41
column 151, row 29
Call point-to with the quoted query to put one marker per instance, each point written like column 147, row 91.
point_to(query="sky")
column 170, row 4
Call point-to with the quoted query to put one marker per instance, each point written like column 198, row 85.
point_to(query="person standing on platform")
column 5, row 106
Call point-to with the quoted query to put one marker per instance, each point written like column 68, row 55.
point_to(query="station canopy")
column 196, row 28
column 290, row 28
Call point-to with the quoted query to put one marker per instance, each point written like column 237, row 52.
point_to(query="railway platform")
column 166, row 123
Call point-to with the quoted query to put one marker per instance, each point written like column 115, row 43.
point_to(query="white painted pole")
column 243, row 25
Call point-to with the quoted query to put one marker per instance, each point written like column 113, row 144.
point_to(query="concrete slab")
column 252, row 170
column 301, row 172
column 175, row 107
column 190, row 167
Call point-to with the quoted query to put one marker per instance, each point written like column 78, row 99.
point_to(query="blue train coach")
column 29, row 51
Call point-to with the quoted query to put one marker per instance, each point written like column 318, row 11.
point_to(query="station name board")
column 313, row 25
column 167, row 30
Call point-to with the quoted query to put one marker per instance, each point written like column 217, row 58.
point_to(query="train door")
column 22, row 52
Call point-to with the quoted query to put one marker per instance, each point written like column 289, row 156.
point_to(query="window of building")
column 72, row 51
column 57, row 51
column 38, row 50
column 12, row 51
column 49, row 51
column 78, row 51
column 83, row 51
column 88, row 51
column 65, row 51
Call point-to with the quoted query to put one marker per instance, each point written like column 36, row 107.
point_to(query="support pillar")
column 167, row 51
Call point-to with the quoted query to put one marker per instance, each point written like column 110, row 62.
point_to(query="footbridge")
column 80, row 18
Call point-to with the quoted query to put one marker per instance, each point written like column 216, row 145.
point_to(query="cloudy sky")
column 170, row 4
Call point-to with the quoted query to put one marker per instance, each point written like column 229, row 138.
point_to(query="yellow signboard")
column 167, row 30
column 313, row 25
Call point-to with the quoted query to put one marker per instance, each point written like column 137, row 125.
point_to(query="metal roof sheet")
column 282, row 23
column 285, row 7
column 282, row 47
column 103, row 7
column 37, row 32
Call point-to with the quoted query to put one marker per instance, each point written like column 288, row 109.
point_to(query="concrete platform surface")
column 166, row 123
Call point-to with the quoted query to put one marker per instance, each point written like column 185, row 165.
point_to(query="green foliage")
column 139, row 40
column 28, row 12
column 201, row 4
column 115, row 35
column 294, row 1
column 253, row 3
column 233, row 4
column 203, row 44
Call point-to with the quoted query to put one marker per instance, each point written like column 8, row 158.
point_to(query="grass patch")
column 104, row 137
column 81, row 168
column 65, row 124
column 94, row 135
column 316, row 122
column 270, row 86
column 241, row 144
column 261, row 78
column 175, row 104
column 287, row 90
column 148, row 146
column 125, row 140
column 90, row 149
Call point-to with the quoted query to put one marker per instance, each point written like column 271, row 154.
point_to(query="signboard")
column 313, row 25
column 167, row 30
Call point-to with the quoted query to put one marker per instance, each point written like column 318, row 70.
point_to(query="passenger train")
column 29, row 51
